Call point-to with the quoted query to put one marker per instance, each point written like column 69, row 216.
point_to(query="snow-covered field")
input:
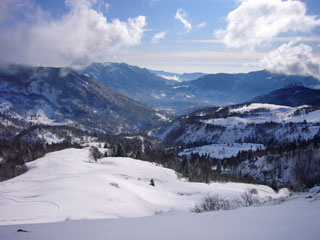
column 295, row 219
column 67, row 185
column 221, row 151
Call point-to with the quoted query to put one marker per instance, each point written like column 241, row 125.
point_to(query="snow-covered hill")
column 67, row 184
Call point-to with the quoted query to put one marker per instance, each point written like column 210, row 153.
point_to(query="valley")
column 155, row 119
column 70, row 142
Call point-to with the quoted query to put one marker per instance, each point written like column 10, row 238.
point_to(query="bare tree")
column 248, row 197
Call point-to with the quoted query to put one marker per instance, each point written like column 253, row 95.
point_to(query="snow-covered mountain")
column 61, row 96
column 168, row 92
column 244, row 123
column 139, row 84
column 270, row 144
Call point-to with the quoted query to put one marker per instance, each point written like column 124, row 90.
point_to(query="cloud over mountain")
column 79, row 37
column 255, row 22
column 293, row 59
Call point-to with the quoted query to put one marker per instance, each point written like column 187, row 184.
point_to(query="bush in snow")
column 216, row 203
column 94, row 153
column 248, row 197
column 212, row 203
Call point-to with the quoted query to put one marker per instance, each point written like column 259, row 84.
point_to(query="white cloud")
column 181, row 15
column 158, row 36
column 77, row 38
column 292, row 59
column 257, row 21
column 201, row 25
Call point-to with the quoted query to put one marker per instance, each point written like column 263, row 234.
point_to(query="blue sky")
column 172, row 35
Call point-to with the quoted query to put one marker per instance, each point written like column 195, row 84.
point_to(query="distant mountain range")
column 62, row 96
column 147, row 87
column 139, row 84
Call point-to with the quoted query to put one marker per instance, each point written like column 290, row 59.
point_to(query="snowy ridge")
column 239, row 123
column 56, row 186
column 61, row 96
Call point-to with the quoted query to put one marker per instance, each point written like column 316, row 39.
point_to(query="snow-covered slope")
column 246, row 123
column 68, row 185
column 295, row 219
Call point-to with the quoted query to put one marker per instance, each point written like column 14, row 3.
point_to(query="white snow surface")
column 255, row 106
column 295, row 219
column 172, row 78
column 66, row 185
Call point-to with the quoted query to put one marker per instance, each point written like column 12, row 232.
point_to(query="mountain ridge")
column 63, row 96
column 219, row 89
column 292, row 95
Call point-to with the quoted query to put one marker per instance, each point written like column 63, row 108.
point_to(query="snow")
column 267, row 113
column 241, row 125
column 182, row 86
column 315, row 190
column 270, row 107
column 67, row 185
column 221, row 151
column 162, row 117
column 45, row 136
column 295, row 219
column 172, row 78
column 313, row 117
